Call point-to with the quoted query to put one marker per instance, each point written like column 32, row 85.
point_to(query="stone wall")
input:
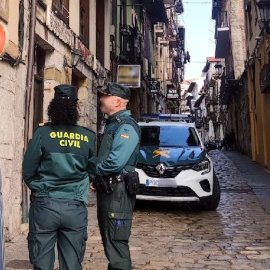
column 12, row 111
column 55, row 73
column 238, row 39
column 12, row 108
column 239, row 118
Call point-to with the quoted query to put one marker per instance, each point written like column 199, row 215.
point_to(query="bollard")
column 2, row 238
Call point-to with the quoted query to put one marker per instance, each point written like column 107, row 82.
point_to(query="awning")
column 223, row 42
column 191, row 87
column 156, row 10
column 199, row 101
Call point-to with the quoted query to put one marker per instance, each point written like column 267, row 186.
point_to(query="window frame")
column 62, row 13
column 84, row 22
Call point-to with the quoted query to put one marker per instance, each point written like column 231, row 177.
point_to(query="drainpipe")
column 2, row 239
column 29, row 86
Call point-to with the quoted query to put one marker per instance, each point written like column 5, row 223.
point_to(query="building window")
column 38, row 95
column 21, row 26
column 4, row 10
column 123, row 27
column 100, row 30
column 250, row 25
column 84, row 22
column 61, row 8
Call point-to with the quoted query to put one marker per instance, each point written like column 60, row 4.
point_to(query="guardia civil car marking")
column 174, row 165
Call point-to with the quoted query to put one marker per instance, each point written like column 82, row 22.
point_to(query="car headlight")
column 203, row 166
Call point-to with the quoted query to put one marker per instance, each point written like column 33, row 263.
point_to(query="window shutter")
column 66, row 10
column 61, row 8
column 84, row 22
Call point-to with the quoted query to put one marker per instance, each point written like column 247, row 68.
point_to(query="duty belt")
column 105, row 183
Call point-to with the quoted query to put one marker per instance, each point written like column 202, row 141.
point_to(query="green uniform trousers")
column 115, row 212
column 57, row 220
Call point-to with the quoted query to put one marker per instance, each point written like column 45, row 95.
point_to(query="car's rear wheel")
column 212, row 203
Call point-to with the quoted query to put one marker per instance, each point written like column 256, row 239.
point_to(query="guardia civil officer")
column 116, row 181
column 58, row 165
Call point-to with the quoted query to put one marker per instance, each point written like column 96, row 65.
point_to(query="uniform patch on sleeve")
column 125, row 136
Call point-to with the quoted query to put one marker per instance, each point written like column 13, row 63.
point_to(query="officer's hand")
column 92, row 187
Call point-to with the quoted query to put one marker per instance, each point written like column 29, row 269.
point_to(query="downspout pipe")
column 2, row 238
column 29, row 86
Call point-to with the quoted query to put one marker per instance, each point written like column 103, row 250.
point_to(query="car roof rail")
column 187, row 118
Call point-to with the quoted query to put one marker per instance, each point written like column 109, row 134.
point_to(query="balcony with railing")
column 159, row 30
column 229, row 87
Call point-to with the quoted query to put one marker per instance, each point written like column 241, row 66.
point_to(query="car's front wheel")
column 212, row 203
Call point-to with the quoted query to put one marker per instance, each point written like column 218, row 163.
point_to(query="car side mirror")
column 210, row 146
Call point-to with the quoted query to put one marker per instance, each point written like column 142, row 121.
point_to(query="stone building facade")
column 13, row 70
column 231, row 46
column 258, row 73
column 104, row 34
column 61, row 28
column 146, row 33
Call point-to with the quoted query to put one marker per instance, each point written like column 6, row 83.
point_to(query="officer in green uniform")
column 116, row 181
column 58, row 166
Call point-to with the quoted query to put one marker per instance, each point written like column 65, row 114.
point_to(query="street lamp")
column 76, row 57
column 219, row 69
column 264, row 8
column 101, row 79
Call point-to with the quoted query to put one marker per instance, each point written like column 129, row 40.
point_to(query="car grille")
column 170, row 172
column 167, row 191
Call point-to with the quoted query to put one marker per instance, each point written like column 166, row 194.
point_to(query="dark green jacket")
column 119, row 148
column 60, row 161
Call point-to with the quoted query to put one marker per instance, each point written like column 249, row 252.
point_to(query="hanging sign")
column 154, row 86
column 129, row 75
column 172, row 94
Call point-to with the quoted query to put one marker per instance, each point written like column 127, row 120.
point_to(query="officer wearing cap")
column 116, row 181
column 58, row 166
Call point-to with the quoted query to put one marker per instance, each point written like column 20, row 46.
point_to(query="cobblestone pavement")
column 168, row 236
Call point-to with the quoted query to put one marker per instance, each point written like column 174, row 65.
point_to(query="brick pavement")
column 167, row 236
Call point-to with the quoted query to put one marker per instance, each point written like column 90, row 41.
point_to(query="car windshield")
column 169, row 136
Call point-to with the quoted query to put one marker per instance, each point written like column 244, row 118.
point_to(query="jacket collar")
column 120, row 113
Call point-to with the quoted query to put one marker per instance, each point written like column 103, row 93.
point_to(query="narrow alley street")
column 169, row 236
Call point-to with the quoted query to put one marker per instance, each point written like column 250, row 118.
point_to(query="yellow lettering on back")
column 53, row 135
column 72, row 136
column 59, row 135
column 63, row 143
column 66, row 135
column 86, row 139
column 70, row 143
column 78, row 136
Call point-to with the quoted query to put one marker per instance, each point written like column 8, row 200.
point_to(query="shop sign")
column 61, row 30
column 154, row 86
column 129, row 75
column 172, row 94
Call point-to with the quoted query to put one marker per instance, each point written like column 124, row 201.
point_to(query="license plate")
column 151, row 183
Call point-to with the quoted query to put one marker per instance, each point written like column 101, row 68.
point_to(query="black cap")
column 65, row 91
column 116, row 89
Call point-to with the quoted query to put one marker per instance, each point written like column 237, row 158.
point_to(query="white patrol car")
column 174, row 165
